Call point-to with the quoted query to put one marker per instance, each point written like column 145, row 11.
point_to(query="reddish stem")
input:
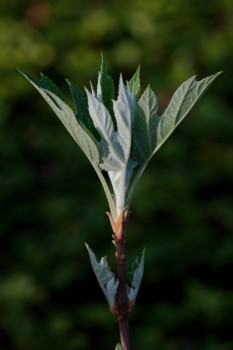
column 122, row 308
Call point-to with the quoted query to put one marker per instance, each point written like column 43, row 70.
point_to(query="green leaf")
column 44, row 83
column 81, row 105
column 144, row 125
column 105, row 277
column 67, row 117
column 79, row 133
column 86, row 142
column 118, row 347
column 134, row 85
column 105, row 87
column 182, row 101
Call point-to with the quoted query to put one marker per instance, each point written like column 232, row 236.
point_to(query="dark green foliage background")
column 51, row 201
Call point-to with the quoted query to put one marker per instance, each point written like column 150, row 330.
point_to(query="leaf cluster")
column 119, row 135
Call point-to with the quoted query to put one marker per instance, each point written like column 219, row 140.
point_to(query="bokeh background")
column 51, row 201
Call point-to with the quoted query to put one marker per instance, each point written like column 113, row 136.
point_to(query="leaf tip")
column 218, row 73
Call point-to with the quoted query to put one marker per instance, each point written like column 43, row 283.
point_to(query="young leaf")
column 134, row 85
column 105, row 277
column 44, row 83
column 124, row 112
column 112, row 153
column 115, row 146
column 67, row 117
column 118, row 347
column 80, row 102
column 86, row 142
column 80, row 134
column 137, row 278
column 105, row 87
column 81, row 105
column 182, row 101
column 144, row 125
column 83, row 138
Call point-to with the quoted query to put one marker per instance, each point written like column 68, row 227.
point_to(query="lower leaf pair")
column 109, row 283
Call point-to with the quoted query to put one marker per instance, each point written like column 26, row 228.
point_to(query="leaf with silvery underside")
column 105, row 277
column 137, row 279
column 145, row 119
column 87, row 143
column 67, row 117
column 105, row 87
column 104, row 124
column 80, row 134
column 134, row 84
column 124, row 112
column 115, row 146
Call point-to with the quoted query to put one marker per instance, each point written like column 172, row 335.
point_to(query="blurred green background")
column 51, row 201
